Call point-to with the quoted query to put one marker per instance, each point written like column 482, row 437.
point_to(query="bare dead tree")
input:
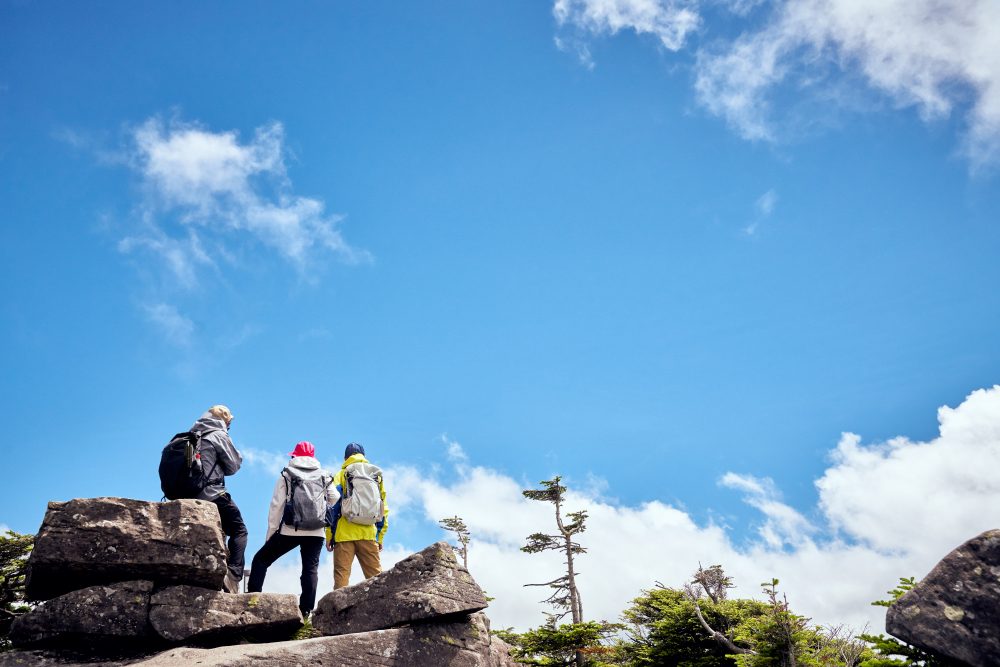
column 713, row 582
column 844, row 642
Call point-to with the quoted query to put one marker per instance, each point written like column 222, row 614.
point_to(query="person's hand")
column 379, row 546
column 329, row 545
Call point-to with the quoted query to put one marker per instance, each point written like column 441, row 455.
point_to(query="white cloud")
column 224, row 194
column 928, row 54
column 174, row 326
column 885, row 511
column 271, row 462
column 763, row 207
column 182, row 256
column 783, row 524
column 454, row 452
column 670, row 21
column 929, row 495
column 766, row 202
column 936, row 56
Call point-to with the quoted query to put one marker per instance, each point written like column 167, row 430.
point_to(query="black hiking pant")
column 277, row 546
column 233, row 526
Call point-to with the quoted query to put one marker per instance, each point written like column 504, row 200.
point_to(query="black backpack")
column 181, row 474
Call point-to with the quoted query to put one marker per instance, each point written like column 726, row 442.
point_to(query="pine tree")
column 456, row 525
column 14, row 550
column 566, row 595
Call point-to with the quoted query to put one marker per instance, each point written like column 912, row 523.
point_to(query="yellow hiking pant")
column 343, row 558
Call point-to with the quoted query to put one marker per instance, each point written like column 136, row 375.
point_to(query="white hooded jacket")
column 280, row 495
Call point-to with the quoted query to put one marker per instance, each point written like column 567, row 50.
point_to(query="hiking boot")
column 231, row 584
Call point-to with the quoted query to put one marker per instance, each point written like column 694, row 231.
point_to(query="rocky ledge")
column 114, row 597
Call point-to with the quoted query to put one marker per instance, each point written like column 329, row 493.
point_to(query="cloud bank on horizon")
column 885, row 510
column 936, row 57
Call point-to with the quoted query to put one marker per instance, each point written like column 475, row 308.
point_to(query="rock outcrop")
column 158, row 568
column 955, row 611
column 190, row 614
column 117, row 612
column 95, row 541
column 429, row 584
column 423, row 612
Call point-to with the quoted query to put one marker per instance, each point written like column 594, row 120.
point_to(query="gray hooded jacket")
column 219, row 458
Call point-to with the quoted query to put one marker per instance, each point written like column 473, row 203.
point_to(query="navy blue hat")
column 352, row 449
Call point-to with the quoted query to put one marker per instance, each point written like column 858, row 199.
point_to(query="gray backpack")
column 361, row 502
column 305, row 498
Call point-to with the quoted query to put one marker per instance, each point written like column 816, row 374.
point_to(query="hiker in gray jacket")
column 302, row 495
column 221, row 459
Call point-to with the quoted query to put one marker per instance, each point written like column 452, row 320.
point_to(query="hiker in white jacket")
column 292, row 521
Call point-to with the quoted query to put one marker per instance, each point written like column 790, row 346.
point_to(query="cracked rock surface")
column 92, row 541
column 186, row 613
column 114, row 612
column 428, row 584
column 955, row 610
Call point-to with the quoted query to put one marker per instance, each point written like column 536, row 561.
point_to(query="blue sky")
column 668, row 250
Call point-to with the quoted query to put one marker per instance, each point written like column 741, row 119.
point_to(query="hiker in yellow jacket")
column 361, row 517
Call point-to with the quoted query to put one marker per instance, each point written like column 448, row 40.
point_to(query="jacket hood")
column 303, row 463
column 354, row 458
column 208, row 422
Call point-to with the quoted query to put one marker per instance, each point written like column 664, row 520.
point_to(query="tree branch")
column 714, row 634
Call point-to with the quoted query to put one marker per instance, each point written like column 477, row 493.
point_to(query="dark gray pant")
column 276, row 547
column 233, row 526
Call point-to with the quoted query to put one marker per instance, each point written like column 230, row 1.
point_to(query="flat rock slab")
column 457, row 644
column 427, row 585
column 464, row 643
column 955, row 610
column 91, row 541
column 60, row 658
column 190, row 614
column 116, row 611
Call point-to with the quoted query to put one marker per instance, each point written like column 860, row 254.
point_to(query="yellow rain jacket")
column 347, row 531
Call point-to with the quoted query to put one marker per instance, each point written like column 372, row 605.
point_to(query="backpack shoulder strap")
column 199, row 435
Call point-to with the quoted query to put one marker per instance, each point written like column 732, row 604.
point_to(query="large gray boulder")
column 91, row 541
column 189, row 614
column 955, row 611
column 428, row 584
column 117, row 611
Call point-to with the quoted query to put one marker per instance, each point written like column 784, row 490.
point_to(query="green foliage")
column 889, row 652
column 777, row 637
column 307, row 631
column 14, row 550
column 662, row 629
column 559, row 645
